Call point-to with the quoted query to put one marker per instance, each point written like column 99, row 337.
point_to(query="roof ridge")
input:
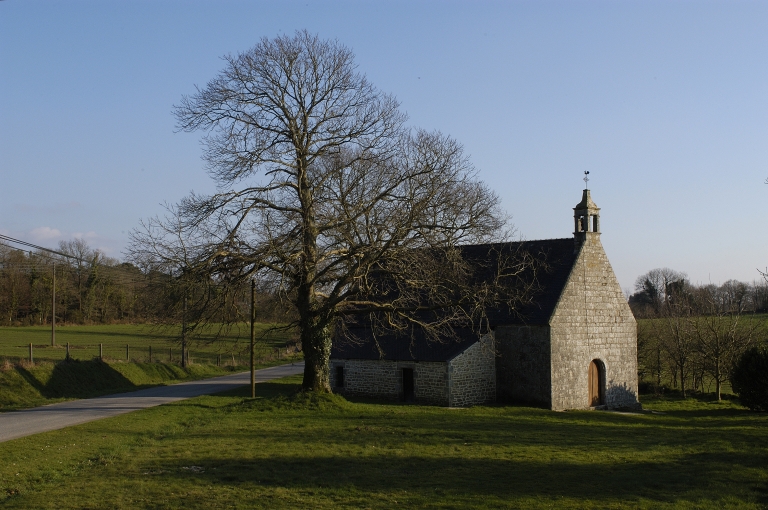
column 502, row 243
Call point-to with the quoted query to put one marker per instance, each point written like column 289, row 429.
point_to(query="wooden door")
column 595, row 385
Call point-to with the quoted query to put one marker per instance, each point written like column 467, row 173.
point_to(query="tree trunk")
column 316, row 344
column 658, row 369
column 718, row 377
column 682, row 381
column 313, row 322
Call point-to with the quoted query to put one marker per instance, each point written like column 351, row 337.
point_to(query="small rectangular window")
column 340, row 376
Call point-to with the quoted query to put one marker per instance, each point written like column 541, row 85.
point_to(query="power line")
column 131, row 275
column 134, row 278
column 24, row 243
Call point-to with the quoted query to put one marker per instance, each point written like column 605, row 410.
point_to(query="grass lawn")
column 84, row 343
column 286, row 450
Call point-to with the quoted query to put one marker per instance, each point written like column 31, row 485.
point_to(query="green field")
column 47, row 380
column 287, row 450
column 230, row 349
column 655, row 350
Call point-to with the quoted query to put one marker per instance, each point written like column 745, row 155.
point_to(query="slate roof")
column 554, row 257
column 403, row 348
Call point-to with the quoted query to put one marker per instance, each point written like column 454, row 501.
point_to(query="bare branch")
column 326, row 197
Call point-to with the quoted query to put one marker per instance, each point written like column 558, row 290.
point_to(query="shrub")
column 749, row 379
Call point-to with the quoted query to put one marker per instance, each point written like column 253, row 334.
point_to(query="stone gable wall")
column 472, row 375
column 523, row 364
column 593, row 321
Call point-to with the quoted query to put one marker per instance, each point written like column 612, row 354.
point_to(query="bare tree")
column 655, row 290
column 650, row 353
column 15, row 288
column 79, row 267
column 699, row 330
column 723, row 330
column 325, row 197
column 759, row 296
column 677, row 336
column 665, row 296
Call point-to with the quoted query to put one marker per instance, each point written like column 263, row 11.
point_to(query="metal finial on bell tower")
column 586, row 179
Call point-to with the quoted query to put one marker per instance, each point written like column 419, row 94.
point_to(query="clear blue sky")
column 665, row 103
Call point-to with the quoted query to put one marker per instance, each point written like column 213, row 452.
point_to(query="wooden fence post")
column 67, row 358
column 127, row 356
column 170, row 354
column 150, row 354
column 31, row 359
column 101, row 352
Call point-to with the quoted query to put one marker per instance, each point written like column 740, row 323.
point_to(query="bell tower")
column 586, row 218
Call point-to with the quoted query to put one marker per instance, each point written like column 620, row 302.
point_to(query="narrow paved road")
column 17, row 424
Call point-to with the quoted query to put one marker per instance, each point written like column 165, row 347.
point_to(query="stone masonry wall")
column 593, row 321
column 431, row 383
column 472, row 375
column 370, row 378
column 523, row 364
column 383, row 379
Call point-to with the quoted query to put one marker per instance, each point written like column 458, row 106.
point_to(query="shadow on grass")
column 586, row 435
column 504, row 452
column 78, row 379
column 689, row 478
column 676, row 396
column 285, row 387
column 700, row 405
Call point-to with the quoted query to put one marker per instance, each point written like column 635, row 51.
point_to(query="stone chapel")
column 573, row 347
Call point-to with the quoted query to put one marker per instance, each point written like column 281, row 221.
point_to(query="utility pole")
column 53, row 308
column 184, row 332
column 253, row 332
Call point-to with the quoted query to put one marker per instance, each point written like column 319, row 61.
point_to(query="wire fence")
column 146, row 353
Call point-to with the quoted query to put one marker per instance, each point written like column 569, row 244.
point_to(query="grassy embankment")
column 49, row 379
column 283, row 450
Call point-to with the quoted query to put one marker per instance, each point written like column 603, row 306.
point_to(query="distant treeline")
column 692, row 335
column 660, row 288
column 91, row 288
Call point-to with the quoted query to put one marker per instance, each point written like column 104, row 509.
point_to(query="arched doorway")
column 596, row 383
